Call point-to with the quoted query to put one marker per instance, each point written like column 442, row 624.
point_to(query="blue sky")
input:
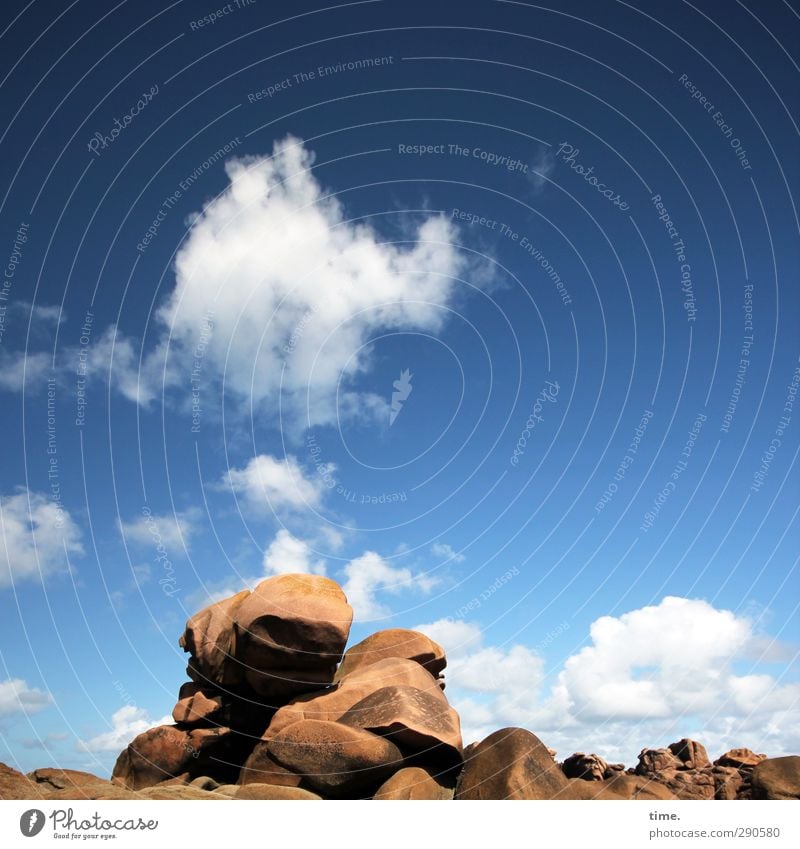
column 488, row 313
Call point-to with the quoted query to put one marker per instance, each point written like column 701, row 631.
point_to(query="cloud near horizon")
column 678, row 668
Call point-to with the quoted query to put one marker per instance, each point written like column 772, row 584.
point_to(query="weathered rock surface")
column 331, row 705
column 394, row 642
column 209, row 639
column 15, row 785
column 335, row 759
column 272, row 791
column 739, row 759
column 654, row 761
column 777, row 778
column 415, row 720
column 290, row 634
column 62, row 779
column 413, row 782
column 510, row 764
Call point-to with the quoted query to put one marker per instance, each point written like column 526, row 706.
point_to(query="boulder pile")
column 275, row 708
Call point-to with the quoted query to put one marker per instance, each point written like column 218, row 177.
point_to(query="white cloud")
column 660, row 661
column 17, row 697
column 17, row 366
column 542, row 167
column 38, row 536
column 268, row 484
column 41, row 313
column 368, row 575
column 287, row 553
column 446, row 552
column 126, row 723
column 649, row 676
column 295, row 290
column 174, row 530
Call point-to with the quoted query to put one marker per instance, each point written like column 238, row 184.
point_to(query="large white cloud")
column 650, row 676
column 16, row 696
column 291, row 289
column 37, row 537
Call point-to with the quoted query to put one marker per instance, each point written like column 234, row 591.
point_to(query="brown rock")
column 195, row 707
column 272, row 791
column 15, row 785
column 415, row 720
column 413, row 782
column 335, row 759
column 739, row 759
column 728, row 782
column 209, row 638
column 290, row 634
column 510, row 764
column 394, row 642
column 777, row 778
column 586, row 767
column 690, row 753
column 331, row 705
column 636, row 787
column 578, row 789
column 169, row 752
column 654, row 761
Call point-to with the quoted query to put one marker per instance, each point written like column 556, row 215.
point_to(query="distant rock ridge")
column 277, row 709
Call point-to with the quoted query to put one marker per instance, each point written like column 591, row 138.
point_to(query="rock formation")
column 276, row 709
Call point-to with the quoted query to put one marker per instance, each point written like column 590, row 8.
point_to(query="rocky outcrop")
column 15, row 785
column 589, row 767
column 776, row 778
column 276, row 709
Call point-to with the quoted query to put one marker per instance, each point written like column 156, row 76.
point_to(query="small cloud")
column 126, row 723
column 17, row 697
column 38, row 536
column 445, row 552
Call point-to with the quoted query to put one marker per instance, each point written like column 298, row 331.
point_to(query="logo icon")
column 403, row 389
column 31, row 822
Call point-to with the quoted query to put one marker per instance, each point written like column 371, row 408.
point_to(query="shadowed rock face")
column 269, row 715
column 290, row 633
column 335, row 759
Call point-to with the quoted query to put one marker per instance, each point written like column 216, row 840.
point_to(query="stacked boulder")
column 276, row 709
